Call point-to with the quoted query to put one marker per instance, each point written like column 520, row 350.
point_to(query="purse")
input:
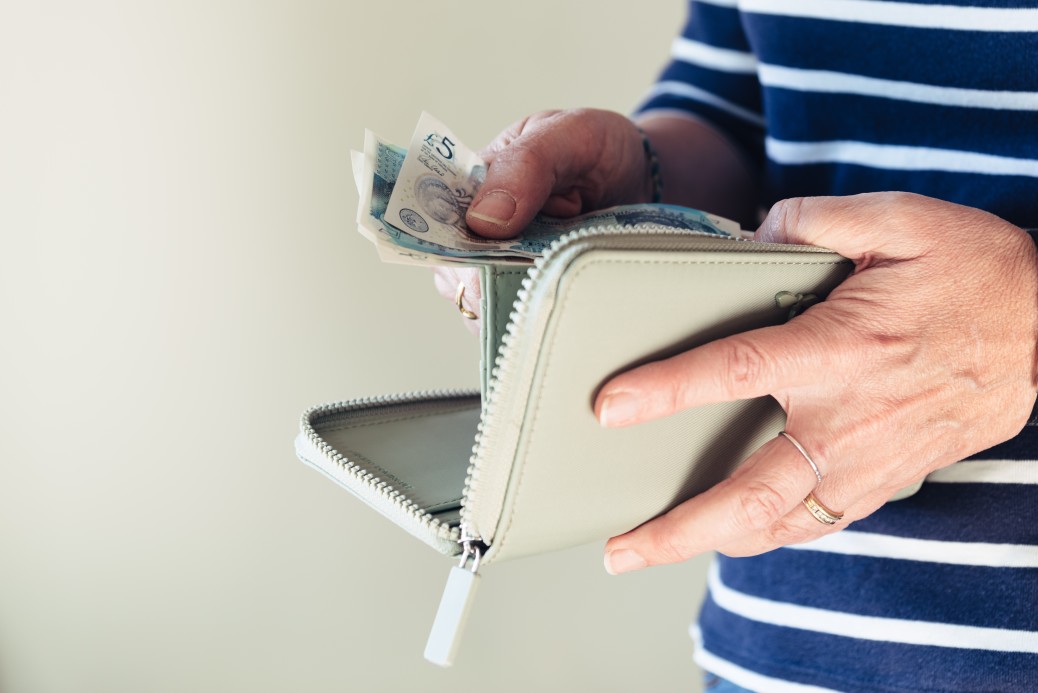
column 522, row 466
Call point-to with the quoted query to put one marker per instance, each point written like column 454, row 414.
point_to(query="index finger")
column 752, row 364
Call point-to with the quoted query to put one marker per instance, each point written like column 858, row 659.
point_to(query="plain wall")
column 180, row 277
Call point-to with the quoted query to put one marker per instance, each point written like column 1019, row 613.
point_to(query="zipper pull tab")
column 455, row 605
column 797, row 303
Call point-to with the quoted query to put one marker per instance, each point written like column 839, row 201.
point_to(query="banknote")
column 436, row 184
column 380, row 173
column 413, row 203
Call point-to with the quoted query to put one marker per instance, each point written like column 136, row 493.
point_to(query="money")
column 382, row 163
column 436, row 184
column 413, row 203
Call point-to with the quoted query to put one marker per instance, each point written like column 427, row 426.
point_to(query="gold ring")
column 460, row 294
column 820, row 512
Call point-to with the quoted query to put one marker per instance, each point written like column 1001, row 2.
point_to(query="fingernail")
column 618, row 409
column 623, row 561
column 496, row 207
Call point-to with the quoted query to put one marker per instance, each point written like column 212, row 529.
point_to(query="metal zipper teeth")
column 507, row 362
column 365, row 478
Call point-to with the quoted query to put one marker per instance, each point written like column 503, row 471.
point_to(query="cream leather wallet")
column 523, row 467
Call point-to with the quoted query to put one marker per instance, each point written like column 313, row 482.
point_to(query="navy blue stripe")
column 749, row 137
column 863, row 666
column 1025, row 445
column 986, row 513
column 717, row 26
column 1009, row 197
column 976, row 60
column 740, row 89
column 909, row 590
column 808, row 117
column 961, row 512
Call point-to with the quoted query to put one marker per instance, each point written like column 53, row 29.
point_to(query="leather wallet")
column 523, row 466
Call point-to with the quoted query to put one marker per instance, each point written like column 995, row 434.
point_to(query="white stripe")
column 907, row 14
column 891, row 156
column 841, row 83
column 688, row 91
column 852, row 543
column 869, row 627
column 743, row 677
column 705, row 55
column 721, row 3
column 988, row 472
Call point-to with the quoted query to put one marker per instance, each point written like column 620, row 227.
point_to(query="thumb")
column 520, row 177
column 867, row 226
column 558, row 162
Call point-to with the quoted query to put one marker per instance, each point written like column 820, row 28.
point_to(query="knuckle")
column 784, row 532
column 528, row 155
column 675, row 396
column 760, row 507
column 824, row 451
column 744, row 365
column 788, row 211
column 669, row 543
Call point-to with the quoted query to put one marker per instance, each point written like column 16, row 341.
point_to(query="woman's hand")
column 564, row 163
column 925, row 355
column 561, row 163
column 447, row 280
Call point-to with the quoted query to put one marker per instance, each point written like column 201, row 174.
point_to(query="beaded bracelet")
column 654, row 167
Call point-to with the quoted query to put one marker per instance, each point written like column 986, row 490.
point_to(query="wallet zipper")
column 496, row 430
column 385, row 492
column 512, row 374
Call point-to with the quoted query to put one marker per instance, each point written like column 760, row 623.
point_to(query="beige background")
column 180, row 277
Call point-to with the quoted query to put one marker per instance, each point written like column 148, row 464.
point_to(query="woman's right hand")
column 565, row 163
column 561, row 163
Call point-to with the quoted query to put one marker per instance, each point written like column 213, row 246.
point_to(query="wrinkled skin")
column 560, row 163
column 925, row 355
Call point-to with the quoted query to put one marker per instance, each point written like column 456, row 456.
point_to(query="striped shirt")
column 834, row 97
column 938, row 592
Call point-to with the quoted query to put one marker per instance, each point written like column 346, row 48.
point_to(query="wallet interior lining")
column 421, row 451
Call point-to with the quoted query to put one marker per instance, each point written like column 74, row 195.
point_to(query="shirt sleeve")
column 712, row 75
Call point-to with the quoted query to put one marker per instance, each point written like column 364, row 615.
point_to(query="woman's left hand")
column 925, row 355
column 448, row 280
